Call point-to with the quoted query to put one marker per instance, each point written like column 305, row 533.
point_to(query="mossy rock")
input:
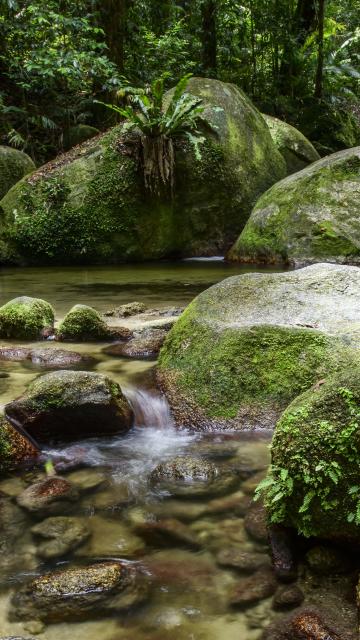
column 295, row 148
column 311, row 216
column 26, row 318
column 78, row 134
column 83, row 324
column 15, row 448
column 249, row 345
column 14, row 165
column 313, row 485
column 71, row 405
column 90, row 205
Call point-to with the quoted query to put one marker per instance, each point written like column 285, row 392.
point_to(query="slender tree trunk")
column 209, row 38
column 320, row 60
column 253, row 50
column 303, row 24
column 113, row 14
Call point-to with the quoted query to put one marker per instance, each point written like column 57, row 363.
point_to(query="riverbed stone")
column 256, row 522
column 251, row 590
column 168, row 532
column 189, row 477
column 69, row 405
column 47, row 358
column 145, row 346
column 326, row 560
column 48, row 496
column 15, row 447
column 127, row 310
column 318, row 432
column 250, row 344
column 103, row 213
column 311, row 216
column 79, row 593
column 281, row 542
column 295, row 148
column 59, row 535
column 83, row 324
column 244, row 561
column 288, row 597
column 14, row 165
column 26, row 318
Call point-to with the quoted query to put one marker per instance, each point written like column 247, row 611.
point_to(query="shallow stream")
column 189, row 588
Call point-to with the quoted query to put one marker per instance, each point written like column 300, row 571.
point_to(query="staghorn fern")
column 158, row 126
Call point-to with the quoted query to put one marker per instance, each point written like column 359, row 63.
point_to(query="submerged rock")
column 69, row 405
column 288, row 597
column 48, row 496
column 249, row 345
column 281, row 545
column 256, row 522
column 311, row 216
column 127, row 310
column 59, row 535
column 14, row 165
column 317, row 445
column 295, row 148
column 189, row 477
column 168, row 532
column 244, row 561
column 83, row 324
column 249, row 591
column 79, row 593
column 48, row 358
column 26, row 318
column 96, row 192
column 146, row 346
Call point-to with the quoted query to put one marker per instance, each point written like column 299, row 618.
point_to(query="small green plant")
column 158, row 125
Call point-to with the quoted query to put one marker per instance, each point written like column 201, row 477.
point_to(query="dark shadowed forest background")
column 296, row 59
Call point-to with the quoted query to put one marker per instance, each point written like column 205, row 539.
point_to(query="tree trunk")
column 303, row 24
column 160, row 12
column 320, row 60
column 113, row 15
column 209, row 39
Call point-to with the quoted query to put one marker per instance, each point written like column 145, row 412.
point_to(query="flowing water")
column 189, row 591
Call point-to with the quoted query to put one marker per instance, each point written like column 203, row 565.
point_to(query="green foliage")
column 158, row 124
column 314, row 475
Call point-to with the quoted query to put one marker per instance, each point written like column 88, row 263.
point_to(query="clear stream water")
column 189, row 592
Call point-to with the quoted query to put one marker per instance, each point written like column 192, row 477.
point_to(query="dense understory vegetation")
column 297, row 59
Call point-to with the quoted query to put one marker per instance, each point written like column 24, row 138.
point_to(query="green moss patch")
column 83, row 323
column 25, row 318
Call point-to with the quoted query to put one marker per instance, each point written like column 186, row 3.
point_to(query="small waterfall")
column 151, row 409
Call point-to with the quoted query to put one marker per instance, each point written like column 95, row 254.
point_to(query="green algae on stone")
column 83, row 323
column 249, row 345
column 296, row 149
column 26, row 318
column 14, row 165
column 90, row 206
column 70, row 405
column 310, row 216
column 313, row 484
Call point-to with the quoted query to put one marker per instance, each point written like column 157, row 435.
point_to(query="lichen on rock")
column 296, row 149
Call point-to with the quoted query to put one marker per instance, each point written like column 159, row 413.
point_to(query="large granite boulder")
column 14, row 165
column 86, row 592
column 249, row 345
column 90, row 206
column 313, row 484
column 69, row 405
column 311, row 216
column 26, row 318
column 296, row 149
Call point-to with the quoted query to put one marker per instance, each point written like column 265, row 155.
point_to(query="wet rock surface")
column 249, row 591
column 168, row 532
column 79, row 593
column 48, row 495
column 144, row 346
column 68, row 405
column 59, row 535
column 191, row 477
column 48, row 358
column 244, row 561
column 256, row 522
column 288, row 597
column 281, row 541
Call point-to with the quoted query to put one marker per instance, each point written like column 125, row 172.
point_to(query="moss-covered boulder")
column 15, row 448
column 311, row 216
column 90, row 205
column 314, row 480
column 26, row 318
column 249, row 345
column 70, row 405
column 83, row 323
column 297, row 151
column 78, row 134
column 14, row 165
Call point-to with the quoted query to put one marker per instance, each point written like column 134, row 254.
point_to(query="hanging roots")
column 158, row 164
